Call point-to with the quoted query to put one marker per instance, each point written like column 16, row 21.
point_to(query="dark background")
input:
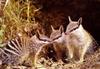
column 56, row 12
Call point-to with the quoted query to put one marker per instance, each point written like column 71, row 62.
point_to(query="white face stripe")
column 55, row 34
column 73, row 28
column 44, row 38
column 73, row 25
column 57, row 37
column 41, row 38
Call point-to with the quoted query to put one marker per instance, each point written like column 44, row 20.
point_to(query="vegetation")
column 17, row 15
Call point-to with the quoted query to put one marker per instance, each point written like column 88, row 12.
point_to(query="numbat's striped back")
column 16, row 51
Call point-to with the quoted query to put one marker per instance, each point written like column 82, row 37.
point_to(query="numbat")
column 57, row 37
column 37, row 44
column 20, row 50
column 79, row 41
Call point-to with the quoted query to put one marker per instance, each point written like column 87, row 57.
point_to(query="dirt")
column 92, row 61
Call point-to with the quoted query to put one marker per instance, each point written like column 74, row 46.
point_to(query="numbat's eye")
column 73, row 25
column 56, row 34
column 57, row 37
column 42, row 37
column 44, row 40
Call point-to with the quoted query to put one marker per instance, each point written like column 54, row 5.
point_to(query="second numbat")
column 79, row 41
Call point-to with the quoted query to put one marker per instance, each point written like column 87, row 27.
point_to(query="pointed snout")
column 50, row 41
column 67, row 33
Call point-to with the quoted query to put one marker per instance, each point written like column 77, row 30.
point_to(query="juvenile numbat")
column 59, row 43
column 79, row 41
column 37, row 43
column 22, row 50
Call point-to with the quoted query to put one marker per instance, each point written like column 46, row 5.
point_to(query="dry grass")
column 18, row 15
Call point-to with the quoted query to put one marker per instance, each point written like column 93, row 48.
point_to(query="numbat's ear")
column 80, row 20
column 52, row 28
column 38, row 34
column 61, row 29
column 42, row 36
column 69, row 19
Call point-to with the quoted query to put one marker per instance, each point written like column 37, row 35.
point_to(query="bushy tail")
column 15, row 50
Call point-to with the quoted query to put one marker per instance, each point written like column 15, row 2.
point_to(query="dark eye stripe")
column 75, row 28
column 57, row 37
column 43, row 39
